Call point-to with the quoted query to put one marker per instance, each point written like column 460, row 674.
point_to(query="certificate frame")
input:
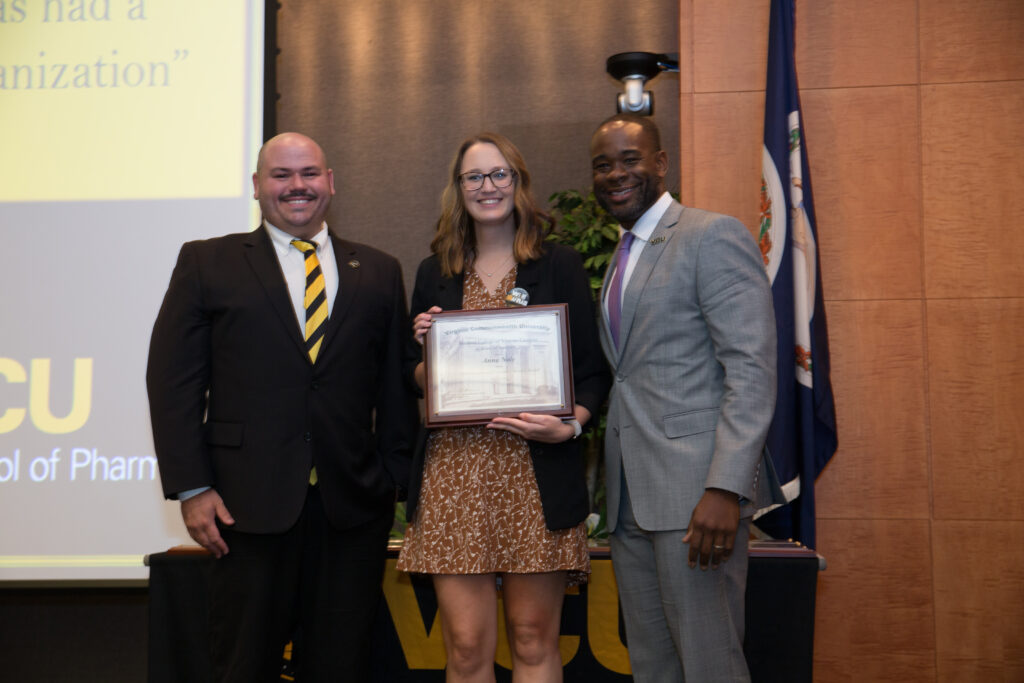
column 487, row 363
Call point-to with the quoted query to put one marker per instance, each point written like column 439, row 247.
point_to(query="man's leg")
column 345, row 570
column 704, row 609
column 252, row 605
column 652, row 653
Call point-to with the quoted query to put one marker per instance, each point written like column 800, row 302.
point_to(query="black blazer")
column 556, row 277
column 237, row 405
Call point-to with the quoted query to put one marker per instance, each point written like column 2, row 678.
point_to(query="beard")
column 630, row 213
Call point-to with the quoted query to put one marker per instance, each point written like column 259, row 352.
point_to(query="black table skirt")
column 781, row 586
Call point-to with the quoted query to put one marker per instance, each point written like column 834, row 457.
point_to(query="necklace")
column 479, row 266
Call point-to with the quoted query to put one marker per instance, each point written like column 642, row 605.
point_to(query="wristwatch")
column 577, row 428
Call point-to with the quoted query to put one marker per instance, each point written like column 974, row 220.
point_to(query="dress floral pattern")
column 480, row 509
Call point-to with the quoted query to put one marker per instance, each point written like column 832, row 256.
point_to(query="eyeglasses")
column 500, row 178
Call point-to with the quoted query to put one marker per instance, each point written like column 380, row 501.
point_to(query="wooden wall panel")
column 979, row 601
column 687, row 33
column 727, row 138
column 687, row 159
column 976, row 380
column 916, row 189
column 856, row 43
column 863, row 146
column 881, row 468
column 730, row 45
column 685, row 152
column 971, row 41
column 874, row 618
column 973, row 172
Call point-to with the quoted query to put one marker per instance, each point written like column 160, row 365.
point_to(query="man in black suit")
column 287, row 456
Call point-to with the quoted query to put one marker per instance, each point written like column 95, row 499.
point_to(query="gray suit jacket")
column 695, row 375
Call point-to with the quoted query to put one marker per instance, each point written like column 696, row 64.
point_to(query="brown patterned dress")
column 479, row 510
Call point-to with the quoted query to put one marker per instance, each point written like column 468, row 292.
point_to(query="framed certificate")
column 504, row 361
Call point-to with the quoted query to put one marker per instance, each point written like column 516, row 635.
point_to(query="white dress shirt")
column 293, row 266
column 642, row 230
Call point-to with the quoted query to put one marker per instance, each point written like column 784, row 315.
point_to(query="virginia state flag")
column 802, row 437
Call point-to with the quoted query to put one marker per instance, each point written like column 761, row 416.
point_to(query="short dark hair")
column 645, row 122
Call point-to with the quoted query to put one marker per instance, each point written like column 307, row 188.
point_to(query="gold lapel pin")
column 657, row 240
column 353, row 263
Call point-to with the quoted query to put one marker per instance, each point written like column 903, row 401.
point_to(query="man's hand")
column 201, row 513
column 712, row 529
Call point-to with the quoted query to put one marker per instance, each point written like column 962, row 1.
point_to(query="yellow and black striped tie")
column 315, row 301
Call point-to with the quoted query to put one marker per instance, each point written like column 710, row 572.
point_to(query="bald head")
column 650, row 129
column 289, row 140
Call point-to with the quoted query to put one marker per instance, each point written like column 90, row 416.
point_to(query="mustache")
column 297, row 194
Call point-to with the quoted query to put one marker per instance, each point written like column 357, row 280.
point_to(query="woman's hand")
column 422, row 323
column 543, row 428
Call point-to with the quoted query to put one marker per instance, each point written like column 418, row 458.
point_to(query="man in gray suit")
column 689, row 331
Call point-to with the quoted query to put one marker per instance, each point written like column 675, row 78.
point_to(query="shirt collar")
column 283, row 241
column 646, row 224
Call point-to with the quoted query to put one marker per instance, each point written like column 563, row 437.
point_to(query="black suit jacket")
column 237, row 405
column 554, row 278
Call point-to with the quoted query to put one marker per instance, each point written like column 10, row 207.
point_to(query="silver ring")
column 718, row 547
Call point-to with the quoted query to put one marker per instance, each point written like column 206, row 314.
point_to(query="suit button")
column 620, row 378
column 315, row 386
column 307, row 437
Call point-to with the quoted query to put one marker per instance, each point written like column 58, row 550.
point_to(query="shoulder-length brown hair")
column 454, row 241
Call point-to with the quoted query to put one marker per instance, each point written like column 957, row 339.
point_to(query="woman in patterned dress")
column 507, row 499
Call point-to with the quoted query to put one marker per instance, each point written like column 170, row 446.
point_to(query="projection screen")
column 128, row 127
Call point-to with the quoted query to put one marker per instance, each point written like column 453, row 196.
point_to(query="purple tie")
column 615, row 288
